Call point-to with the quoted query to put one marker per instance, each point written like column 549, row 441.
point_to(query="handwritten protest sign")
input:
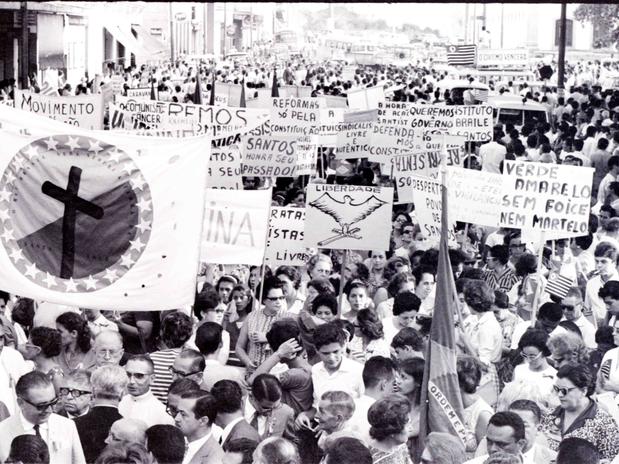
column 392, row 133
column 269, row 155
column 224, row 169
column 85, row 111
column 428, row 208
column 348, row 217
column 218, row 121
column 295, row 116
column 117, row 82
column 365, row 99
column 235, row 226
column 306, row 150
column 355, row 134
column 546, row 197
column 330, row 126
column 286, row 243
column 474, row 196
column 142, row 93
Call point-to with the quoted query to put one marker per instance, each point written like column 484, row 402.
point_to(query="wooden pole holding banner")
column 266, row 241
column 340, row 297
column 538, row 288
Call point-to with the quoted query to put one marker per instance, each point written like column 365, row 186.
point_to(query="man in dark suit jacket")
column 108, row 384
column 229, row 397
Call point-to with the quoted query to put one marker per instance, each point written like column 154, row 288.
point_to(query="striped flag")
column 441, row 401
column 461, row 55
column 558, row 285
column 480, row 94
column 48, row 89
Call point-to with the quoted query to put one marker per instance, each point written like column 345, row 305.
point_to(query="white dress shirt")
column 194, row 446
column 347, row 378
column 146, row 408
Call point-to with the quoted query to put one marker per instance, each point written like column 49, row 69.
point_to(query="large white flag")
column 99, row 219
column 236, row 223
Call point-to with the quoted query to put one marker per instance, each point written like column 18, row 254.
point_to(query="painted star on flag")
column 143, row 225
column 17, row 255
column 4, row 214
column 128, row 168
column 137, row 183
column 51, row 144
column 31, row 270
column 90, row 283
column 5, row 194
column 10, row 177
column 136, row 244
column 115, row 155
column 95, row 147
column 72, row 143
column 8, row 235
column 31, row 152
column 110, row 275
column 143, row 205
column 18, row 162
column 127, row 261
column 49, row 280
column 70, row 285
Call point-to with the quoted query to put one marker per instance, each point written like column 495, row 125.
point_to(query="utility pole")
column 562, row 37
column 171, row 33
column 502, row 22
column 466, row 23
column 23, row 59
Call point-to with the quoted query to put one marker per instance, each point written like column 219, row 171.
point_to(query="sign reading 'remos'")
column 546, row 197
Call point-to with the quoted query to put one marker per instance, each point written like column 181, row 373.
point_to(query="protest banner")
column 224, row 169
column 474, row 196
column 141, row 93
column 546, row 197
column 117, row 83
column 217, row 121
column 355, row 134
column 139, row 203
column 428, row 208
column 348, row 217
column 286, row 243
column 236, row 224
column 365, row 99
column 85, row 111
column 269, row 155
column 226, row 94
column 258, row 98
column 295, row 91
column 306, row 150
column 503, row 58
column 295, row 116
column 330, row 125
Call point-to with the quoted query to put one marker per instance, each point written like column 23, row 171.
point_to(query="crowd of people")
column 325, row 363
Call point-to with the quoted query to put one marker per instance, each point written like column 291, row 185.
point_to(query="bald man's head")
column 128, row 431
column 108, row 348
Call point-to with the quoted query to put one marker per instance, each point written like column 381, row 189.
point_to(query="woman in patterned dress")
column 389, row 423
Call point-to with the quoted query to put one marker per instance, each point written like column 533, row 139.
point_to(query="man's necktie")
column 36, row 431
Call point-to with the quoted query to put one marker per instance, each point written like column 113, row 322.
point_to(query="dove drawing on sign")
column 346, row 213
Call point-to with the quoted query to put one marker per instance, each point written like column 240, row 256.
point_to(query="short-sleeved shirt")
column 297, row 388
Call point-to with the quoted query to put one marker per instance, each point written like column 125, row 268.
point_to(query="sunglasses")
column 74, row 392
column 182, row 374
column 563, row 391
column 42, row 407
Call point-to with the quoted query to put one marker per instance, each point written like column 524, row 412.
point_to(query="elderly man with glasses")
column 36, row 399
column 76, row 394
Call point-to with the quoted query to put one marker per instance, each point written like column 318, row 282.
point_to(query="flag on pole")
column 441, row 402
column 197, row 94
column 243, row 102
column 461, row 55
column 558, row 285
column 274, row 86
column 212, row 97
column 99, row 219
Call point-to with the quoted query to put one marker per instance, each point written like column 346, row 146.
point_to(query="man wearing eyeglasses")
column 408, row 231
column 36, row 399
column 76, row 394
column 572, row 306
column 141, row 403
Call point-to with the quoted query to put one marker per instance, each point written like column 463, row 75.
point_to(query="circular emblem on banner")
column 75, row 213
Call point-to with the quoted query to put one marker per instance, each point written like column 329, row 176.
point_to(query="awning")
column 130, row 43
column 152, row 45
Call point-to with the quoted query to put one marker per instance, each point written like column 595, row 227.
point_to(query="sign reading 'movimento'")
column 546, row 197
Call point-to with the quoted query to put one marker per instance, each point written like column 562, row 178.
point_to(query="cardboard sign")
column 235, row 226
column 348, row 217
column 224, row 169
column 307, row 150
column 355, row 134
column 547, row 197
column 365, row 99
column 295, row 116
column 428, row 208
column 392, row 134
column 474, row 196
column 84, row 111
column 286, row 242
column 269, row 155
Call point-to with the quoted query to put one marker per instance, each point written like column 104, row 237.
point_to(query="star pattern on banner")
column 114, row 158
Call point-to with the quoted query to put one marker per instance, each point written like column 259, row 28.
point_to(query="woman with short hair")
column 389, row 420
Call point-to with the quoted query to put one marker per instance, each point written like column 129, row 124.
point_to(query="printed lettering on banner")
column 348, row 217
column 428, row 208
column 85, row 111
column 355, row 134
column 546, row 197
column 330, row 125
column 235, row 226
column 218, row 121
column 286, row 243
column 269, row 155
column 224, row 169
column 474, row 196
column 295, row 116
column 142, row 93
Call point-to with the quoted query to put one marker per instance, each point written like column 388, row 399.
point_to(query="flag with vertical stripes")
column 441, row 402
column 461, row 55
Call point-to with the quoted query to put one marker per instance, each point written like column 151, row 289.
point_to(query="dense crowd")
column 325, row 363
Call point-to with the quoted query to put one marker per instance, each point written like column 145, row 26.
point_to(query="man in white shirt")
column 605, row 261
column 209, row 342
column 492, row 154
column 195, row 416
column 505, row 434
column 334, row 371
column 141, row 403
column 611, row 176
column 572, row 306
